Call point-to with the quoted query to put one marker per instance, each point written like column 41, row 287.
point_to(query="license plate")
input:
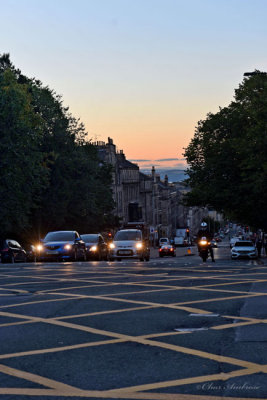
column 52, row 252
column 125, row 252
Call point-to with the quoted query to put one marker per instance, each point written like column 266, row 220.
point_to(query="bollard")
column 189, row 251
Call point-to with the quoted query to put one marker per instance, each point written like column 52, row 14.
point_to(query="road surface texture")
column 172, row 329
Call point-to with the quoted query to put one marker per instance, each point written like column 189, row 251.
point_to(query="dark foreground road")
column 172, row 328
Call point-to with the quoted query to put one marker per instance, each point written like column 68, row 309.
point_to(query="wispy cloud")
column 166, row 159
column 180, row 165
column 170, row 159
column 150, row 165
column 161, row 164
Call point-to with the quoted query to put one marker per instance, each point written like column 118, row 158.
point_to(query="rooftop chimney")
column 166, row 180
column 153, row 173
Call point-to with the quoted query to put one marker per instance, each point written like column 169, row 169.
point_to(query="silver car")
column 244, row 249
column 129, row 243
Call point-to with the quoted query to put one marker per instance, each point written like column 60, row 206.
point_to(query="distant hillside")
column 174, row 175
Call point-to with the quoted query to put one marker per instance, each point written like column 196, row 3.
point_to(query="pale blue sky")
column 143, row 72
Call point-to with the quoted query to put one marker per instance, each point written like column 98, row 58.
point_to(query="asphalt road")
column 170, row 329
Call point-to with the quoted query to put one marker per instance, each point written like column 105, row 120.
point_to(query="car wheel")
column 147, row 258
column 141, row 259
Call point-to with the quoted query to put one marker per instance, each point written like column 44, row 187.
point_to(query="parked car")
column 167, row 250
column 11, row 251
column 96, row 247
column 61, row 245
column 129, row 243
column 244, row 249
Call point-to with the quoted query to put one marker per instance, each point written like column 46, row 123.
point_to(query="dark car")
column 61, row 245
column 11, row 251
column 96, row 247
column 167, row 250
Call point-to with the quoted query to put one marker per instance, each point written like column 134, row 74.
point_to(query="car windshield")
column 242, row 244
column 128, row 235
column 90, row 238
column 59, row 236
column 164, row 240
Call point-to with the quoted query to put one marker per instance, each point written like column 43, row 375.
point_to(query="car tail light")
column 6, row 249
column 171, row 249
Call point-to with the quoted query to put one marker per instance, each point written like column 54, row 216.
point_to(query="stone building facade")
column 141, row 197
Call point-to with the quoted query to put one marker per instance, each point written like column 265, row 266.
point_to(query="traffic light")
column 187, row 232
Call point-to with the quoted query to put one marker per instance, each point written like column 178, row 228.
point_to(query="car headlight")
column 93, row 248
column 67, row 246
column 39, row 247
column 112, row 246
column 139, row 245
column 203, row 242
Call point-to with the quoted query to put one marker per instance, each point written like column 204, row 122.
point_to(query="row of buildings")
column 141, row 197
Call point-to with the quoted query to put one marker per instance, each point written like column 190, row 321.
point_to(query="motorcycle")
column 203, row 248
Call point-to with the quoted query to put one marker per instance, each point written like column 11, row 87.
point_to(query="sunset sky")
column 142, row 72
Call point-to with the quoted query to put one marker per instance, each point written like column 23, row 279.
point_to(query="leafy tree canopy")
column 51, row 177
column 227, row 156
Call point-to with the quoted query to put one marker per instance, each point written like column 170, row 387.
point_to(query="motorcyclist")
column 204, row 232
